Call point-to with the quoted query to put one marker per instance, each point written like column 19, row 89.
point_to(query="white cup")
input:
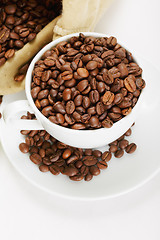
column 76, row 138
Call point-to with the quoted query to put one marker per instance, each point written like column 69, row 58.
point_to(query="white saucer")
column 122, row 175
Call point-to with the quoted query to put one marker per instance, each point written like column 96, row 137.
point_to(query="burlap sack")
column 77, row 16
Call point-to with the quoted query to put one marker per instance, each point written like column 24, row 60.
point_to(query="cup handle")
column 15, row 108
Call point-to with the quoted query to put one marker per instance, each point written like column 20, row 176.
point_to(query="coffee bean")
column 77, row 177
column 35, row 158
column 102, row 165
column 4, row 35
column 31, row 37
column 10, row 9
column 82, row 85
column 70, row 171
column 94, row 96
column 91, row 65
column 129, row 132
column 43, row 168
column 131, row 148
column 59, row 107
column 94, row 121
column 24, row 148
column 78, row 126
column 67, row 94
column 113, row 148
column 88, row 177
column 107, row 123
column 70, row 107
column 108, row 98
column 94, row 170
column 84, row 170
column 106, row 156
column 54, row 169
column 123, row 70
column 88, row 152
column 97, row 153
column 82, row 72
column 66, row 154
column 90, row 160
column 119, row 153
column 18, row 44
column 123, row 143
column 129, row 83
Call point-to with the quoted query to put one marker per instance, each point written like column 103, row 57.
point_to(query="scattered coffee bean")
column 76, row 163
column 119, row 153
column 131, row 148
column 24, row 148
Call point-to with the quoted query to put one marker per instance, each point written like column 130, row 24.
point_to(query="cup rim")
column 45, row 119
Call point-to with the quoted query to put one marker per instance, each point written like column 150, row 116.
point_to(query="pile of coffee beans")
column 76, row 163
column 86, row 83
column 21, row 20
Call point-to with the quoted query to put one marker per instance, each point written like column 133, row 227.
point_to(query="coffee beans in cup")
column 53, row 156
column 86, row 83
column 20, row 21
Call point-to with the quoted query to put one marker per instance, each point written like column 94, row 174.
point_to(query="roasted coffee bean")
column 123, row 70
column 35, row 158
column 129, row 132
column 55, row 170
column 131, row 148
column 82, row 72
column 43, row 168
column 59, row 107
column 84, row 170
column 70, row 107
column 126, row 111
column 90, row 160
column 66, row 154
column 94, row 170
column 82, row 85
column 106, row 156
column 10, row 53
column 24, row 148
column 107, row 123
column 67, row 94
column 94, row 121
column 129, row 83
column 94, row 96
column 78, row 126
column 108, row 98
column 88, row 152
column 123, row 143
column 77, row 177
column 113, row 148
column 102, row 165
column 88, row 177
column 70, row 171
column 119, row 153
column 91, row 65
column 97, row 153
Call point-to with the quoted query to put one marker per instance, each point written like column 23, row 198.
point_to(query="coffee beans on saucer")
column 76, row 163
column 20, row 21
column 86, row 83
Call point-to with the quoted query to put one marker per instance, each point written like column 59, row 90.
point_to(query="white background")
column 29, row 213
